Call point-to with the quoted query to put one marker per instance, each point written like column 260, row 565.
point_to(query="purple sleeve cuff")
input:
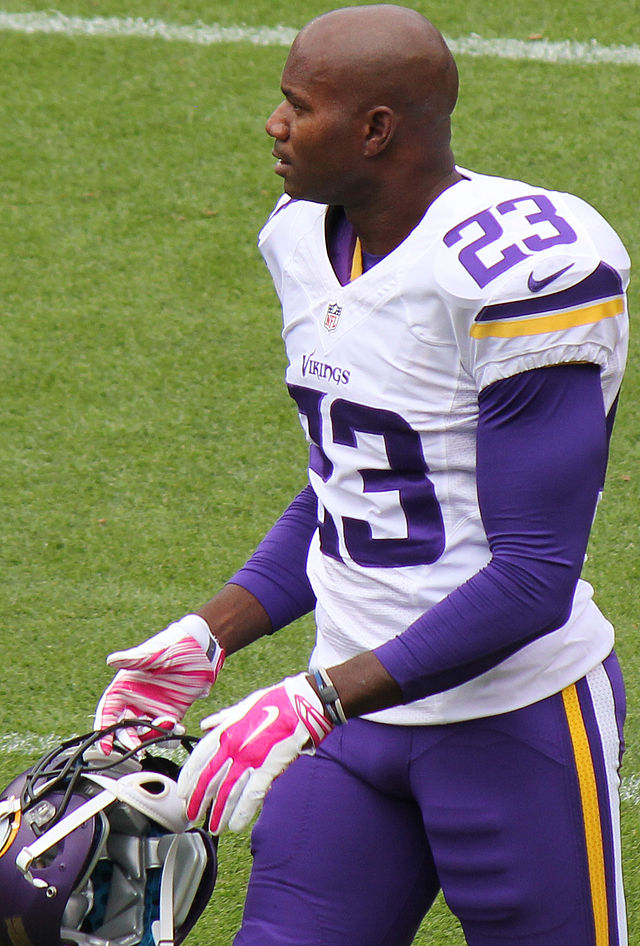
column 541, row 458
column 276, row 572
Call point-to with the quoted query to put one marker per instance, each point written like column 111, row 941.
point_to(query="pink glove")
column 159, row 680
column 248, row 745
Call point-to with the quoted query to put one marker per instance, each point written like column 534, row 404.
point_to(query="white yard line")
column 27, row 743
column 32, row 745
column 630, row 789
column 208, row 35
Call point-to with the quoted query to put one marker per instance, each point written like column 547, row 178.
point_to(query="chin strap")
column 58, row 833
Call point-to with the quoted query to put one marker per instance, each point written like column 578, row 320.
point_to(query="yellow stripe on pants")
column 590, row 813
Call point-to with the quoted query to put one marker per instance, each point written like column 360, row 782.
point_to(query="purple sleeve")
column 541, row 458
column 276, row 572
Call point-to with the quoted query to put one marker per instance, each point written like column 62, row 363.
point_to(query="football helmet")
column 96, row 850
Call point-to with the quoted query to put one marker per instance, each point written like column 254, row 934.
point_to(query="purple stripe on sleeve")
column 276, row 572
column 602, row 283
column 542, row 448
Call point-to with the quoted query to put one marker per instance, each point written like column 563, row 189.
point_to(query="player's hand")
column 159, row 679
column 247, row 746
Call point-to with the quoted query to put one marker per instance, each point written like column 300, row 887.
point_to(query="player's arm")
column 542, row 447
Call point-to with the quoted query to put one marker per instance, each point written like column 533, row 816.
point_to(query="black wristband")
column 329, row 697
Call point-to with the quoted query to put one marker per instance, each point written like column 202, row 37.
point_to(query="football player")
column 455, row 344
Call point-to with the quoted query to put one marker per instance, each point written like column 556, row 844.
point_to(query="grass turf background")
column 146, row 439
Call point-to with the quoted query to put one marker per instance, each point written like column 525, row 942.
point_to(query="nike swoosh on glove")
column 247, row 747
column 159, row 679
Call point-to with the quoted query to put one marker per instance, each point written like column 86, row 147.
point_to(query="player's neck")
column 383, row 224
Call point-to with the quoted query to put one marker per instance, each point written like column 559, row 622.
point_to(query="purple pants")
column 514, row 817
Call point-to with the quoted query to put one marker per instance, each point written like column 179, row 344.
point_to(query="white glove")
column 159, row 679
column 248, row 745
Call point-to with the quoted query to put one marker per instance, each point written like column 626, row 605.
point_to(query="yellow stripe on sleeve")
column 516, row 328
column 590, row 813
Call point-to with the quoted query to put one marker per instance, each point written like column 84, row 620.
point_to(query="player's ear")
column 381, row 125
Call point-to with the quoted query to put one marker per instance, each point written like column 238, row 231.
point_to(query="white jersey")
column 499, row 277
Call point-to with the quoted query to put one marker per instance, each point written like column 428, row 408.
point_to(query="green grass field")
column 146, row 439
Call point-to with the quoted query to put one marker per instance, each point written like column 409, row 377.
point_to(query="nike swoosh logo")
column 272, row 715
column 535, row 285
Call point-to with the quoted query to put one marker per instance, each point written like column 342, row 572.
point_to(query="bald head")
column 382, row 54
column 365, row 120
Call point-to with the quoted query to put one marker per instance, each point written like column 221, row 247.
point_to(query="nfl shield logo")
column 331, row 319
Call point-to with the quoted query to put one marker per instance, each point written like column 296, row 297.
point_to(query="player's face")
column 317, row 135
